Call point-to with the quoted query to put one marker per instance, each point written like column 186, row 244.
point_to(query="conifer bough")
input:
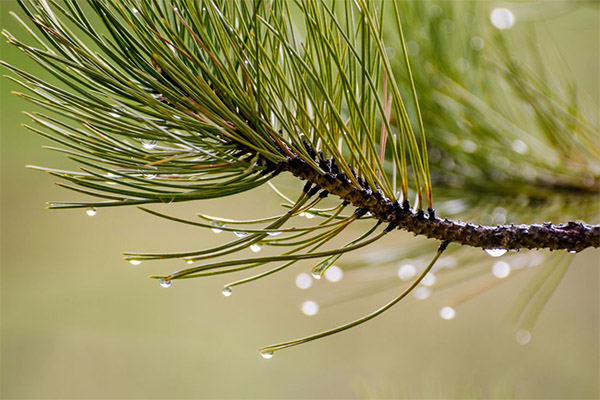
column 180, row 100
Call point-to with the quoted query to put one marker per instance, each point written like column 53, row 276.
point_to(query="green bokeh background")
column 78, row 322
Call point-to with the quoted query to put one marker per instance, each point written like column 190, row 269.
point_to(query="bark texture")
column 571, row 236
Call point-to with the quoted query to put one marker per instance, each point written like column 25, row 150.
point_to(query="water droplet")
column 302, row 214
column 255, row 248
column 523, row 336
column 422, row 293
column 273, row 233
column 468, row 146
column 310, row 307
column 148, row 144
column 136, row 11
column 115, row 115
column 502, row 18
column 217, row 226
column 406, row 271
column 240, row 234
column 309, row 215
column 189, row 261
column 150, row 176
column 476, row 43
column 519, row 146
column 177, row 117
column 91, row 211
column 227, row 291
column 412, row 48
column 266, row 354
column 135, row 262
column 572, row 251
column 316, row 274
column 501, row 269
column 165, row 282
column 447, row 313
column 495, row 252
column 334, row 274
column 303, row 281
column 429, row 279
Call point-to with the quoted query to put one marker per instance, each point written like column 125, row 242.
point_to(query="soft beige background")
column 78, row 322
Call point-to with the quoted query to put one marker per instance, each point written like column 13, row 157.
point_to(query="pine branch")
column 571, row 236
column 185, row 100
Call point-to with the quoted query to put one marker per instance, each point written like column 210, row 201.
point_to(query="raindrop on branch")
column 227, row 291
column 91, row 211
column 255, row 248
column 495, row 252
column 165, row 282
column 523, row 336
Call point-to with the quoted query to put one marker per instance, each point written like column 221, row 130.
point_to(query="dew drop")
column 267, row 355
column 316, row 274
column 519, row 146
column 303, row 281
column 523, row 336
column 240, row 234
column 135, row 262
column 476, row 43
column 255, row 248
column 189, row 261
column 406, row 271
column 447, row 313
column 309, row 215
column 572, row 251
column 227, row 291
column 91, row 211
column 150, row 176
column 334, row 274
column 136, row 11
column 502, row 18
column 273, row 233
column 217, row 227
column 177, row 117
column 165, row 282
column 495, row 252
column 310, row 307
column 115, row 115
column 501, row 269
column 149, row 144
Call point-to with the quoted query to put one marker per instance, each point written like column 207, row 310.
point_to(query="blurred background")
column 79, row 322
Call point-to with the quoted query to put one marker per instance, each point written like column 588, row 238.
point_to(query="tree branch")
column 572, row 236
